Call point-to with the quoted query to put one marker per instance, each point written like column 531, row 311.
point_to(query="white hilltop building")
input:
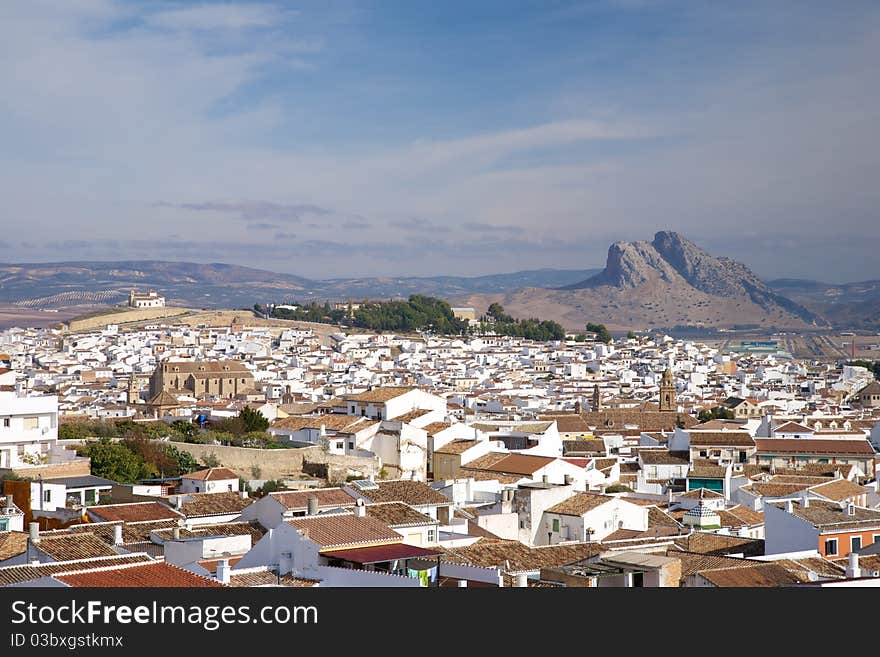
column 149, row 300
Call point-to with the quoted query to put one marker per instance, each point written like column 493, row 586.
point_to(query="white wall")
column 200, row 486
column 784, row 532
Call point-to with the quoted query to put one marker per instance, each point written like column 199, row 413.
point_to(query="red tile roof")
column 813, row 446
column 212, row 474
column 379, row 553
column 136, row 512
column 151, row 575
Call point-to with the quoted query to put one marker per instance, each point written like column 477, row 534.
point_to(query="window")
column 522, row 524
column 876, row 538
column 703, row 453
column 556, row 525
column 31, row 423
column 6, row 421
column 830, row 547
column 229, row 487
column 431, row 536
column 855, row 543
column 47, row 496
column 4, row 524
column 351, row 444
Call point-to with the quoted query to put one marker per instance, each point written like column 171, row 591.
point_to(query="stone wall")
column 281, row 463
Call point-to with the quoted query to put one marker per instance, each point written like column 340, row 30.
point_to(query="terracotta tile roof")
column 693, row 562
column 515, row 557
column 659, row 518
column 27, row 572
column 345, row 530
column 409, row 417
column 824, row 568
column 839, row 490
column 579, row 504
column 829, row 516
column 233, row 528
column 132, row 532
column 814, row 446
column 148, row 575
column 568, row 423
column 69, row 547
column 379, row 395
column 740, row 516
column 12, row 544
column 792, row 427
column 210, row 504
column 331, row 422
column 866, row 561
column 211, row 564
column 456, row 447
column 398, row 514
column 486, row 461
column 757, row 575
column 593, row 447
column 436, row 427
column 414, row 493
column 135, row 512
column 212, row 474
column 661, row 457
column 328, row 498
column 722, row 438
column 519, row 464
column 718, row 544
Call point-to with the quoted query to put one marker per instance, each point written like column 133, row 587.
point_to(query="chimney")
column 244, row 494
column 34, row 533
column 805, row 502
column 9, row 504
column 669, row 497
column 175, row 533
column 462, row 583
column 545, row 479
column 223, row 571
column 469, row 489
column 117, row 534
column 852, row 569
column 521, row 581
column 360, row 510
column 789, row 506
column 568, row 480
column 178, row 502
column 312, row 506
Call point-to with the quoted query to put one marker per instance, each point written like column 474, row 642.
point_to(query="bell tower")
column 133, row 391
column 667, row 392
column 596, row 402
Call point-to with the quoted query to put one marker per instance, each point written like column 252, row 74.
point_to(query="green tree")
column 115, row 461
column 495, row 310
column 210, row 460
column 252, row 420
column 271, row 486
column 601, row 332
column 631, row 336
column 715, row 413
column 184, row 428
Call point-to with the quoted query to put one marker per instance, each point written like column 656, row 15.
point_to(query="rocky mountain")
column 666, row 283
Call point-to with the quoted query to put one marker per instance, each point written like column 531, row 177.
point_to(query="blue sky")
column 417, row 138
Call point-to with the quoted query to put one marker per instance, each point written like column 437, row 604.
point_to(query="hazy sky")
column 422, row 137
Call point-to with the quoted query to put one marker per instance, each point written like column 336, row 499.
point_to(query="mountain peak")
column 673, row 263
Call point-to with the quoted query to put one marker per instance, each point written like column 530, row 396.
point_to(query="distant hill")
column 847, row 305
column 217, row 285
column 666, row 283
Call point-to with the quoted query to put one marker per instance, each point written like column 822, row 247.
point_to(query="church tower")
column 596, row 404
column 134, row 396
column 667, row 392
